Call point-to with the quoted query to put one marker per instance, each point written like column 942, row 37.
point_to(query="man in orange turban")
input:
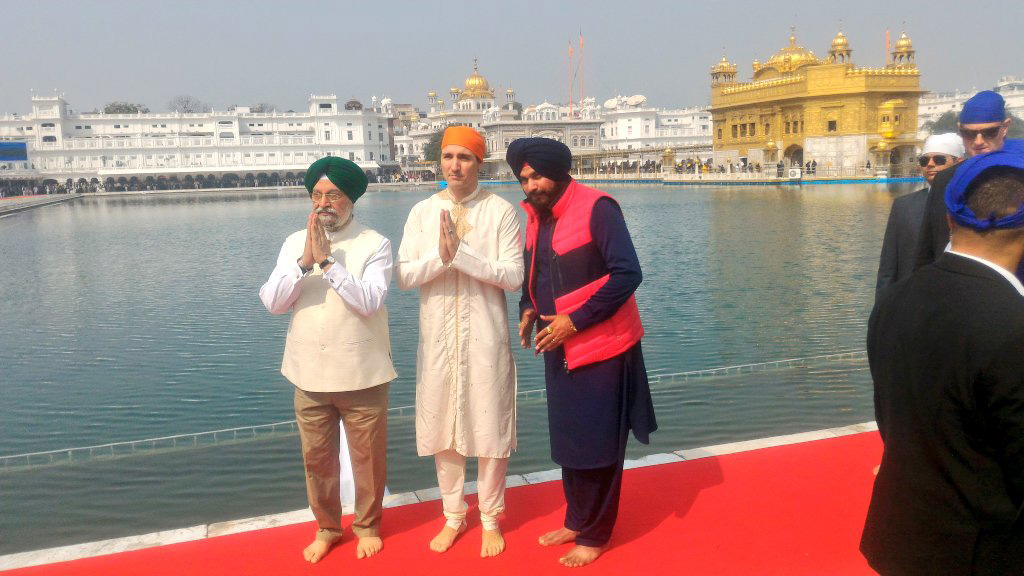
column 461, row 250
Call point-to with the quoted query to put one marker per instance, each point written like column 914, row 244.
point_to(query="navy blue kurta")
column 592, row 408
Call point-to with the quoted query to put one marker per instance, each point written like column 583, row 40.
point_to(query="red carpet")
column 793, row 510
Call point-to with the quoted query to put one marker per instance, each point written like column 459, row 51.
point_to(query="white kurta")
column 465, row 373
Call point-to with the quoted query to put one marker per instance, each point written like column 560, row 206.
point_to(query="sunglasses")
column 939, row 160
column 986, row 133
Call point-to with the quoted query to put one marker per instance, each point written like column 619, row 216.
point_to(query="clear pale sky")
column 234, row 52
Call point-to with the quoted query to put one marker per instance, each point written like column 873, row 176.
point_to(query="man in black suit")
column 946, row 350
column 899, row 247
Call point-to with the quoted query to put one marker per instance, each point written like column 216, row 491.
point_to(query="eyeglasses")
column 331, row 196
column 939, row 160
column 986, row 133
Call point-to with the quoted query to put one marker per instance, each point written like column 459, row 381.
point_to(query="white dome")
column 636, row 100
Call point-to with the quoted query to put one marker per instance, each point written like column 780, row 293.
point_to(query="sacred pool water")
column 126, row 318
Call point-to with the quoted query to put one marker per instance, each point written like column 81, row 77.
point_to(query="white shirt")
column 364, row 295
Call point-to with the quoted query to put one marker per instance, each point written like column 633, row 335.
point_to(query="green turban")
column 348, row 177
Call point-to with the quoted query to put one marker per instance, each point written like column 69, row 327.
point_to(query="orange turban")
column 467, row 138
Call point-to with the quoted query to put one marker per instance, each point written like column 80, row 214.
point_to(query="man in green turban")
column 333, row 277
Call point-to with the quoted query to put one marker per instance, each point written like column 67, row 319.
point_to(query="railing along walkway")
column 246, row 433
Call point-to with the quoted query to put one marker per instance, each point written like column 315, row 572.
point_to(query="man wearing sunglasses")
column 983, row 126
column 899, row 247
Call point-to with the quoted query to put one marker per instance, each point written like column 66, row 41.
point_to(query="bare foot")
column 368, row 546
column 317, row 550
column 446, row 537
column 493, row 543
column 558, row 537
column 580, row 556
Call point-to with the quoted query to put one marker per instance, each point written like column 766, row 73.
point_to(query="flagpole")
column 570, row 79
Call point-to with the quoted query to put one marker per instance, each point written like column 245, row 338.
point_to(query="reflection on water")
column 136, row 317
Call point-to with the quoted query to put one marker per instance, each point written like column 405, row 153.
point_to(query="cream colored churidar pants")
column 490, row 485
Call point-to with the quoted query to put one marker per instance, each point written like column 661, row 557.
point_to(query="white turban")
column 949, row 143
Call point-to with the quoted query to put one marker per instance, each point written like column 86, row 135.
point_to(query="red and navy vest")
column 578, row 271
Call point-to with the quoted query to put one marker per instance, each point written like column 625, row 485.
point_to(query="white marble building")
column 64, row 144
column 467, row 106
column 579, row 129
column 630, row 125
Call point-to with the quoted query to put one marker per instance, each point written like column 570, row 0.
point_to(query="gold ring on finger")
column 548, row 329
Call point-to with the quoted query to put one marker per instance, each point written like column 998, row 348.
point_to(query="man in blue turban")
column 983, row 125
column 581, row 274
column 946, row 351
column 333, row 277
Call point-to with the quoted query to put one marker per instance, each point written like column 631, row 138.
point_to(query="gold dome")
column 840, row 42
column 476, row 86
column 791, row 58
column 723, row 66
column 904, row 44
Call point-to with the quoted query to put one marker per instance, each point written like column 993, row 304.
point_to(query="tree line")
column 183, row 104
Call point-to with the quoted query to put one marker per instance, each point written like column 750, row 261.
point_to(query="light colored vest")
column 330, row 347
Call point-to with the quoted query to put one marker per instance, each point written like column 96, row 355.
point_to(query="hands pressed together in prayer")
column 449, row 242
column 559, row 329
column 318, row 247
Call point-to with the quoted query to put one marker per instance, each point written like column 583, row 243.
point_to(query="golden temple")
column 798, row 108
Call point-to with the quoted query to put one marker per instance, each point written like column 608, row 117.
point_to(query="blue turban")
column 965, row 175
column 549, row 158
column 344, row 174
column 983, row 108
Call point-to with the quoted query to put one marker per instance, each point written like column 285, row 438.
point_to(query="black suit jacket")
column 934, row 232
column 899, row 246
column 946, row 350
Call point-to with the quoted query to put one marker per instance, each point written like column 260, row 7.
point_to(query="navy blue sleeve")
column 608, row 229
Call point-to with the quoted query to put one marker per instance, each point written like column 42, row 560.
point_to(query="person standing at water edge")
column 461, row 250
column 333, row 277
column 899, row 247
column 582, row 271
column 946, row 351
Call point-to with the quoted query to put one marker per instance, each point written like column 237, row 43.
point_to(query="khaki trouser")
column 490, row 488
column 364, row 414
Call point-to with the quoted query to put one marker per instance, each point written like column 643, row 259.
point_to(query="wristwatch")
column 303, row 269
column 328, row 260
